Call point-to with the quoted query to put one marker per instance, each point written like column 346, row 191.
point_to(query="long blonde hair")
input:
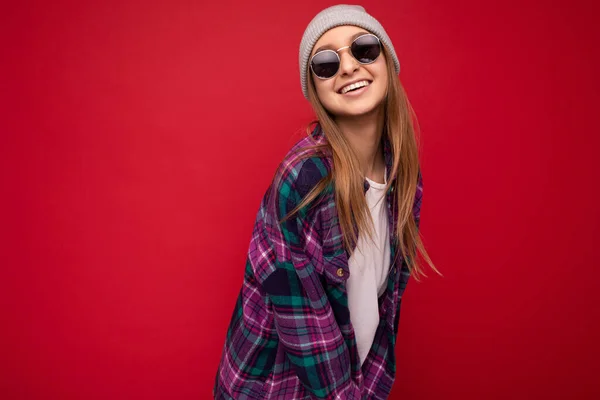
column 352, row 208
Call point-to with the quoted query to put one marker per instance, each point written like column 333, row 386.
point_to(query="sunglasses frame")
column 340, row 60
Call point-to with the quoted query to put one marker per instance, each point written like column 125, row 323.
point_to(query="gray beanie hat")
column 342, row 14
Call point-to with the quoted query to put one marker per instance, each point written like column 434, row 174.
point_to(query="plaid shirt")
column 290, row 336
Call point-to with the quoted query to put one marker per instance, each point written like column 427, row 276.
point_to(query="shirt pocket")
column 334, row 287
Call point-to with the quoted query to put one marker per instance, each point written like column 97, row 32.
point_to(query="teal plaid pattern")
column 290, row 335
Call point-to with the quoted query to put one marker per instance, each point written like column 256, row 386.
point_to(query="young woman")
column 336, row 236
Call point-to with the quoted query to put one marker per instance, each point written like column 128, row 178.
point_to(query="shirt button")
column 395, row 270
column 340, row 272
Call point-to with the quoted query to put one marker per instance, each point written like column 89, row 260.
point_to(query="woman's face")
column 353, row 103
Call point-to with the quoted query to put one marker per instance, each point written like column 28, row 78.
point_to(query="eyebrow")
column 330, row 47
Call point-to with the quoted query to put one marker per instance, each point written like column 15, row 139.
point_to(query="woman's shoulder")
column 305, row 164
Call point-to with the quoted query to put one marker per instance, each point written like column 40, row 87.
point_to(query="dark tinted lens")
column 325, row 64
column 366, row 49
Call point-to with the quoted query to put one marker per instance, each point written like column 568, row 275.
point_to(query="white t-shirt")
column 369, row 265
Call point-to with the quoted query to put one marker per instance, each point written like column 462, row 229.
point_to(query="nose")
column 348, row 64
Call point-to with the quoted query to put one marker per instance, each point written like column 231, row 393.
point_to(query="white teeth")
column 356, row 85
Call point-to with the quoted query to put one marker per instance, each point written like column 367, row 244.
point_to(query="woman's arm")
column 304, row 319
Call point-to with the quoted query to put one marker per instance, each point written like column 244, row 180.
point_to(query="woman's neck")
column 364, row 134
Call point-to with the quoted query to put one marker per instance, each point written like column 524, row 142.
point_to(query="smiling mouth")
column 355, row 86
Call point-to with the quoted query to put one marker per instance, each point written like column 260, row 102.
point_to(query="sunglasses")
column 365, row 49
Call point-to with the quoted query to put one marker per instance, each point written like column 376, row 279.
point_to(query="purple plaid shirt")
column 290, row 336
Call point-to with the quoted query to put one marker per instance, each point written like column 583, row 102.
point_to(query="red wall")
column 137, row 139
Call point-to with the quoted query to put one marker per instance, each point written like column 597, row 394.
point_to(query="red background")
column 137, row 139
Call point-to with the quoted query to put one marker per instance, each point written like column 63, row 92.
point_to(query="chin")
column 355, row 108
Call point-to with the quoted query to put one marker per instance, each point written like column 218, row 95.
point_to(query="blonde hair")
column 353, row 212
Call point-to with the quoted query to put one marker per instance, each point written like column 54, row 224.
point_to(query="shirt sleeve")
column 304, row 318
column 404, row 271
column 418, row 200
